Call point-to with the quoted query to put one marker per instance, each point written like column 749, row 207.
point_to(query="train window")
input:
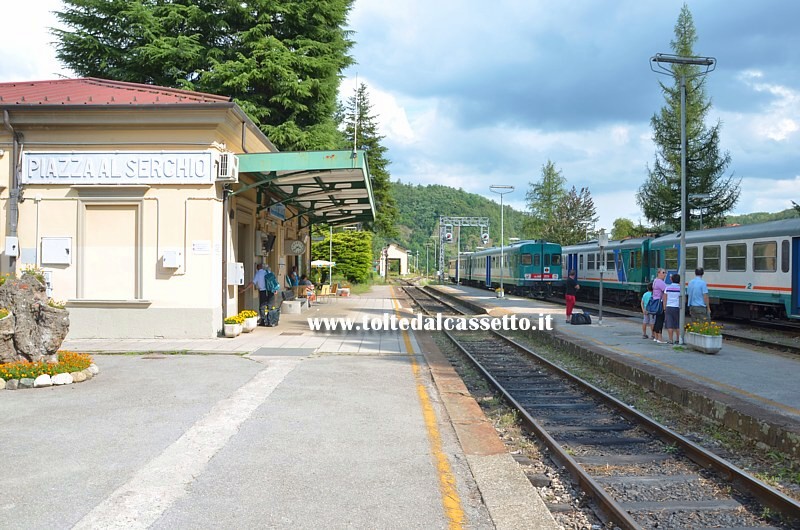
column 526, row 259
column 609, row 261
column 547, row 260
column 711, row 257
column 671, row 259
column 537, row 260
column 785, row 255
column 636, row 259
column 580, row 262
column 655, row 259
column 765, row 256
column 590, row 261
column 556, row 260
column 691, row 258
column 736, row 257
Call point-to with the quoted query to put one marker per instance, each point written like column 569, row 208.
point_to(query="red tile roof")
column 93, row 91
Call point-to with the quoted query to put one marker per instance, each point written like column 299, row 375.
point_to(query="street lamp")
column 602, row 241
column 659, row 63
column 427, row 246
column 701, row 198
column 501, row 190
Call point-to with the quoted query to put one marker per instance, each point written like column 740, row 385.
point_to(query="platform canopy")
column 331, row 187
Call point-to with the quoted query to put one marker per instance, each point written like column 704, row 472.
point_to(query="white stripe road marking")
column 155, row 487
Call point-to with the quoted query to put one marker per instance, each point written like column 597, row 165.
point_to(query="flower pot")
column 500, row 293
column 703, row 343
column 232, row 330
column 250, row 323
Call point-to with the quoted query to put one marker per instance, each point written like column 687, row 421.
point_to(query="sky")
column 474, row 93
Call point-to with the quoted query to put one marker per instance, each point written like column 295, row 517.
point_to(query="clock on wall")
column 297, row 247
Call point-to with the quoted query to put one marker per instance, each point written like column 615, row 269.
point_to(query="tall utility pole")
column 658, row 64
column 501, row 190
column 444, row 221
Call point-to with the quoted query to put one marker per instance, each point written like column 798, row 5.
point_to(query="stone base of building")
column 143, row 323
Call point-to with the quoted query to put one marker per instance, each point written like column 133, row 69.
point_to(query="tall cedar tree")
column 279, row 59
column 659, row 197
column 543, row 198
column 365, row 129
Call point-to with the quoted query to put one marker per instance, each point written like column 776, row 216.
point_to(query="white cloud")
column 26, row 49
column 781, row 118
column 774, row 197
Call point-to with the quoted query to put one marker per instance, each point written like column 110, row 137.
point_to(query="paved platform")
column 279, row 428
column 759, row 383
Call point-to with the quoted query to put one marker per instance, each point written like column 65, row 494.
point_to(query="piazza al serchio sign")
column 117, row 167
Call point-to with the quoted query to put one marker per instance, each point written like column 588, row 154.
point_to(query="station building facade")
column 130, row 199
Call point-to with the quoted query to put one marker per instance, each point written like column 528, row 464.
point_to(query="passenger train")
column 529, row 268
column 752, row 271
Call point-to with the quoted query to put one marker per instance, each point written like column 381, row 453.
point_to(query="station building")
column 148, row 208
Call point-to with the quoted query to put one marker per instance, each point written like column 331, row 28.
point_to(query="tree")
column 543, row 198
column 624, row 228
column 279, row 59
column 576, row 214
column 659, row 197
column 351, row 251
column 796, row 207
column 359, row 122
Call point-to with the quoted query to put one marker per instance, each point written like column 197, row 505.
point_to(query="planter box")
column 250, row 323
column 232, row 330
column 704, row 343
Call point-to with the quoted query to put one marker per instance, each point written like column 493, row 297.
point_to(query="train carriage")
column 751, row 270
column 529, row 268
column 625, row 265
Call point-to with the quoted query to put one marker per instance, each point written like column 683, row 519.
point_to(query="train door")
column 489, row 271
column 619, row 263
column 572, row 264
column 796, row 277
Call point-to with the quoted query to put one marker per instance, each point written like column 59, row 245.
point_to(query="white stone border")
column 56, row 380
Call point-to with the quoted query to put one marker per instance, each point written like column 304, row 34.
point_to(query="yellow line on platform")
column 451, row 502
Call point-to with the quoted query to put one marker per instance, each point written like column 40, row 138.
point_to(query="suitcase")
column 273, row 316
column 580, row 319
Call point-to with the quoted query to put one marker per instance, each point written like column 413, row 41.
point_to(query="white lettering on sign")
column 117, row 167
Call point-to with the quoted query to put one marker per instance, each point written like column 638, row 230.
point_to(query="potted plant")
column 233, row 326
column 704, row 336
column 250, row 320
column 500, row 293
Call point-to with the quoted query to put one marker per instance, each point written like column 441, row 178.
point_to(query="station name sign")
column 117, row 167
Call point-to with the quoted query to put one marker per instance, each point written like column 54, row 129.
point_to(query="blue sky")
column 472, row 93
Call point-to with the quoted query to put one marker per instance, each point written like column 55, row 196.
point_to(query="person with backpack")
column 272, row 313
column 647, row 320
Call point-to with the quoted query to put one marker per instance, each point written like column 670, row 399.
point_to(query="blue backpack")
column 272, row 283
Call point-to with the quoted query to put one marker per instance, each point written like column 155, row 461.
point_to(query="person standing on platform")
column 659, row 286
column 293, row 278
column 571, row 290
column 260, row 282
column 672, row 309
column 647, row 318
column 697, row 297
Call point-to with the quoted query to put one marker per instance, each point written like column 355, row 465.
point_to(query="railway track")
column 639, row 473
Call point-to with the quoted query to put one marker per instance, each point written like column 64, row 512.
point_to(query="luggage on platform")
column 580, row 319
column 273, row 316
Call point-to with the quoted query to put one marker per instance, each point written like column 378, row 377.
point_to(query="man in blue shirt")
column 697, row 297
column 260, row 281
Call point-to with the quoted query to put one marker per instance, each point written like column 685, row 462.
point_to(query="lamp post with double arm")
column 501, row 190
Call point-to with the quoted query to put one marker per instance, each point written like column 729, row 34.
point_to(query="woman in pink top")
column 659, row 286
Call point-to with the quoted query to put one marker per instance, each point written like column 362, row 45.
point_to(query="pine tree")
column 659, row 197
column 279, row 59
column 543, row 199
column 365, row 130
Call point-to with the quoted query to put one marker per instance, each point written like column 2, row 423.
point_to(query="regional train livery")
column 752, row 271
column 529, row 268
